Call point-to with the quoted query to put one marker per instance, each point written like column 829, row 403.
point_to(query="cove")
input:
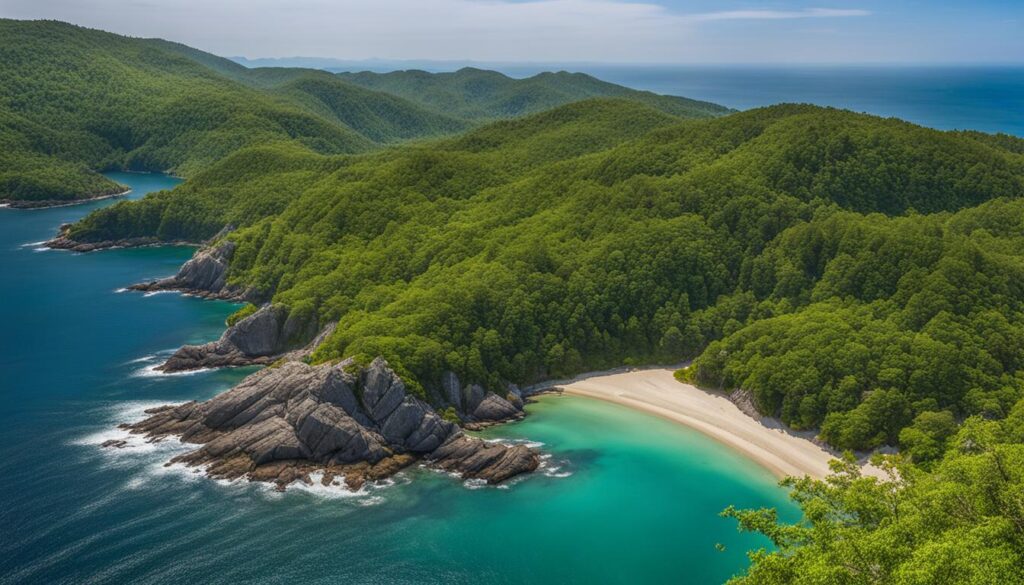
column 623, row 497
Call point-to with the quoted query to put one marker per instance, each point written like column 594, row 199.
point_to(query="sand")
column 656, row 391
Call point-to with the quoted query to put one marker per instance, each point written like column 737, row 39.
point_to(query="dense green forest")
column 480, row 94
column 607, row 232
column 858, row 275
column 75, row 101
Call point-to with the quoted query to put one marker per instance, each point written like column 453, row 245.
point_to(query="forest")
column 857, row 275
column 75, row 101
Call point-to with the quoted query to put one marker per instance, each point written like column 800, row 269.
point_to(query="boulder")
column 475, row 458
column 495, row 408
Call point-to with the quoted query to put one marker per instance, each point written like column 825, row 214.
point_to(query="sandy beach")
column 657, row 392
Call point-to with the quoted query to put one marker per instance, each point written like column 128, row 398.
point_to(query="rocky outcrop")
column 282, row 423
column 261, row 338
column 477, row 407
column 205, row 275
column 64, row 241
column 475, row 459
column 744, row 400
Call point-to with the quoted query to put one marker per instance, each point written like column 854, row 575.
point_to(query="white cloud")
column 778, row 14
column 485, row 30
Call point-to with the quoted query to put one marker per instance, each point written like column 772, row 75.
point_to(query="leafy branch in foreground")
column 961, row 523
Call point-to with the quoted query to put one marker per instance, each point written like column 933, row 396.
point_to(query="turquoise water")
column 623, row 498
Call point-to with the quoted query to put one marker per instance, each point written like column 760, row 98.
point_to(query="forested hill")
column 607, row 232
column 480, row 94
column 75, row 100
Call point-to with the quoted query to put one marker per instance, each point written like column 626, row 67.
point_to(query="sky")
column 566, row 31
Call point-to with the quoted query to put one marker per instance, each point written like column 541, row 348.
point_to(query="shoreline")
column 55, row 203
column 766, row 442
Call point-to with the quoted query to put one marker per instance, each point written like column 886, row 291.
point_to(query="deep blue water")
column 990, row 99
column 623, row 498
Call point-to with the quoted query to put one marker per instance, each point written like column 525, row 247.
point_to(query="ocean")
column 623, row 497
column 989, row 99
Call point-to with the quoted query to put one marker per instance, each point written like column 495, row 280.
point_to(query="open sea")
column 623, row 497
column 989, row 99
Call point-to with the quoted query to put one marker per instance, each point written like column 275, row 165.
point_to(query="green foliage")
column 606, row 232
column 76, row 100
column 449, row 414
column 961, row 523
column 477, row 94
column 888, row 318
column 245, row 311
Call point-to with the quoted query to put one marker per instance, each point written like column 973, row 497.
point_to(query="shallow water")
column 623, row 497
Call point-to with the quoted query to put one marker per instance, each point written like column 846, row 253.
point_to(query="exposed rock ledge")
column 261, row 338
column 64, row 242
column 204, row 275
column 282, row 423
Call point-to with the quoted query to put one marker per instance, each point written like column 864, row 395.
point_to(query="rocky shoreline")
column 203, row 275
column 291, row 419
column 285, row 422
column 63, row 242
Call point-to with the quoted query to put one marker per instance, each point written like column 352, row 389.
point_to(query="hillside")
column 77, row 100
column 606, row 232
column 478, row 94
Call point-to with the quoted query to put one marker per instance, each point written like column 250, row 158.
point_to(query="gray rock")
column 452, row 391
column 472, row 396
column 495, row 408
column 257, row 339
column 283, row 421
column 383, row 390
column 744, row 400
column 205, row 274
column 476, row 459
column 258, row 334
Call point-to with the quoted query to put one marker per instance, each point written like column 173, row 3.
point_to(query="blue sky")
column 637, row 31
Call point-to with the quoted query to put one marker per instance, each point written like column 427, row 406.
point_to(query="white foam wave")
column 334, row 490
column 158, row 292
column 512, row 442
column 121, row 290
column 151, row 371
column 33, row 244
column 146, row 358
column 549, row 468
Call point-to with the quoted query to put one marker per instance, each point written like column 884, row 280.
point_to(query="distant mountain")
column 76, row 100
column 480, row 94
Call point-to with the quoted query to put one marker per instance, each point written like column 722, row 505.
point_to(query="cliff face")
column 260, row 338
column 205, row 275
column 282, row 423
